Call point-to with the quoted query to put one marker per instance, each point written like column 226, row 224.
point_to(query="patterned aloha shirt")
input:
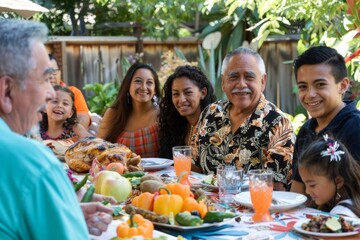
column 267, row 129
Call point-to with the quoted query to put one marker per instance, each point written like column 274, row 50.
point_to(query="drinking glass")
column 182, row 159
column 229, row 180
column 261, row 188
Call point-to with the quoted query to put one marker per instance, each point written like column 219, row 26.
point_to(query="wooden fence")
column 86, row 60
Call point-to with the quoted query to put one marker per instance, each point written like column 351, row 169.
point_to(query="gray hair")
column 240, row 51
column 16, row 39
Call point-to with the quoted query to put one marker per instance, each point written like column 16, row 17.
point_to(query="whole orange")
column 116, row 167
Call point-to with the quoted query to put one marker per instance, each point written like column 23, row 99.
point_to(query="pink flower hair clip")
column 332, row 149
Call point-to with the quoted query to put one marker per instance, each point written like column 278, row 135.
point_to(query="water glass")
column 261, row 188
column 229, row 181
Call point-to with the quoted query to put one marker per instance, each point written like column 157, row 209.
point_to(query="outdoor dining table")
column 282, row 227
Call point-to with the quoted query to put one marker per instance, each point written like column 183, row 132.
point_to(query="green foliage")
column 334, row 23
column 104, row 96
column 297, row 121
column 213, row 74
column 85, row 17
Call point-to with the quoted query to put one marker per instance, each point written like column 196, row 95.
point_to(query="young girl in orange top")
column 60, row 121
column 331, row 177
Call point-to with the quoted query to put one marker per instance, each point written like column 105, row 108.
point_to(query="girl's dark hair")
column 44, row 124
column 172, row 126
column 122, row 105
column 323, row 55
column 312, row 160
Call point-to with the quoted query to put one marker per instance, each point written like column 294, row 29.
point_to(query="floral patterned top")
column 267, row 129
column 67, row 133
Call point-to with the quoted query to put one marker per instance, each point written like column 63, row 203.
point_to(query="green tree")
column 334, row 23
column 159, row 19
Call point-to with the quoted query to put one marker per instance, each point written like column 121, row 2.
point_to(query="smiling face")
column 186, row 97
column 60, row 107
column 243, row 82
column 27, row 99
column 142, row 87
column 320, row 188
column 320, row 95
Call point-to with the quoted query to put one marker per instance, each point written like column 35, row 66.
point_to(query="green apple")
column 99, row 178
column 117, row 186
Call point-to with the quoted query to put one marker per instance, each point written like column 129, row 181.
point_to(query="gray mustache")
column 245, row 90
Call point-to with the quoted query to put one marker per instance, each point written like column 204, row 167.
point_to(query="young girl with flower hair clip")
column 332, row 177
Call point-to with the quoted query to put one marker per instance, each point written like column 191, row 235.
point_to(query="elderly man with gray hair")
column 37, row 199
column 246, row 130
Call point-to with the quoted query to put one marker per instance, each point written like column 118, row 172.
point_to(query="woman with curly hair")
column 186, row 93
column 132, row 118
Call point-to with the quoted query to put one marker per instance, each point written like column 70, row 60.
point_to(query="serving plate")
column 298, row 228
column 285, row 200
column 186, row 228
column 155, row 163
column 110, row 233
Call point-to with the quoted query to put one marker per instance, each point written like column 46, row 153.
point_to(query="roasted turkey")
column 94, row 154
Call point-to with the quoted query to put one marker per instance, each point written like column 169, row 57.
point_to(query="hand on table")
column 97, row 217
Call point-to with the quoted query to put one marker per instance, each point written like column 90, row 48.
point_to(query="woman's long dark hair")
column 122, row 106
column 347, row 168
column 172, row 126
column 44, row 124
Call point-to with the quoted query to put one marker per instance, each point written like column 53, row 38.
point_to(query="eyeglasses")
column 55, row 71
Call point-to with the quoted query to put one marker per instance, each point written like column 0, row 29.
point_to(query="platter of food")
column 325, row 226
column 155, row 163
column 281, row 200
column 186, row 228
column 110, row 233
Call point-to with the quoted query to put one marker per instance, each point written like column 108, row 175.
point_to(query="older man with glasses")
column 37, row 199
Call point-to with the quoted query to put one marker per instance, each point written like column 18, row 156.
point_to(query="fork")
column 277, row 201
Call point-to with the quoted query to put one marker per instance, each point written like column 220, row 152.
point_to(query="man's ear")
column 263, row 82
column 222, row 82
column 6, row 86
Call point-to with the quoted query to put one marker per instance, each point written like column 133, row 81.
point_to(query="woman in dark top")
column 186, row 93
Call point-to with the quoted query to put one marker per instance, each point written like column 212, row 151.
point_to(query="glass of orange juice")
column 261, row 188
column 182, row 159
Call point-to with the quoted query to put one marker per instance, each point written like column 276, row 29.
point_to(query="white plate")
column 185, row 228
column 290, row 199
column 298, row 228
column 156, row 163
